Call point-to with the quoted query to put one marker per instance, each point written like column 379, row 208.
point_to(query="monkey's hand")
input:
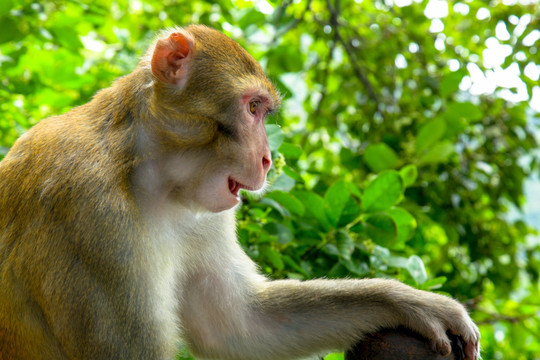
column 433, row 315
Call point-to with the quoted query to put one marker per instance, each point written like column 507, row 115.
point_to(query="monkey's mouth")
column 235, row 186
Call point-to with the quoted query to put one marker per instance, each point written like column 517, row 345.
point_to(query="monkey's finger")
column 440, row 342
column 471, row 351
column 444, row 348
column 472, row 344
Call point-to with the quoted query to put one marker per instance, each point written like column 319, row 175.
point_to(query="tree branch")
column 334, row 22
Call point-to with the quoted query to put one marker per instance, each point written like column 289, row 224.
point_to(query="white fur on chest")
column 181, row 245
column 200, row 274
column 162, row 254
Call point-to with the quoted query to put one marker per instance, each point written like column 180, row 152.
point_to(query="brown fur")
column 117, row 230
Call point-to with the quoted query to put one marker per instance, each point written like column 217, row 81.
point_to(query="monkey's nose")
column 266, row 162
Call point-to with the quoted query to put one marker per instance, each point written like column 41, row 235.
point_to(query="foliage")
column 386, row 161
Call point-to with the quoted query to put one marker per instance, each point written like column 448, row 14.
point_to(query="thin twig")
column 334, row 22
column 292, row 24
column 324, row 81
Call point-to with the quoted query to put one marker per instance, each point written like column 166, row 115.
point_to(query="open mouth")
column 235, row 186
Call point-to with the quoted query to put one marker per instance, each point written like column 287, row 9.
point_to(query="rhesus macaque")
column 118, row 238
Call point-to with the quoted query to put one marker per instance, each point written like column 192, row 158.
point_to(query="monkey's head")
column 212, row 97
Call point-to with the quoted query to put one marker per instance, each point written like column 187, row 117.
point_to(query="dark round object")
column 400, row 344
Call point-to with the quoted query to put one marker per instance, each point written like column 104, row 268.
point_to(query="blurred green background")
column 407, row 145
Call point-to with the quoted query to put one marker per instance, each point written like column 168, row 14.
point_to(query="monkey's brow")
column 269, row 102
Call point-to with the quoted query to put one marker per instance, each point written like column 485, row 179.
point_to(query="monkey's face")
column 219, row 100
column 242, row 156
column 237, row 156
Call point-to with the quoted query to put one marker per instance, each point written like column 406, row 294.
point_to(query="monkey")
column 118, row 234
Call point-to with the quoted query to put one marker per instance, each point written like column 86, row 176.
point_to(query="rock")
column 401, row 344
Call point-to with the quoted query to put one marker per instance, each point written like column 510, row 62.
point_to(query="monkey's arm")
column 334, row 314
column 288, row 319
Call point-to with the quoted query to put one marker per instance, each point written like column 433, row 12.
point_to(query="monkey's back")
column 63, row 188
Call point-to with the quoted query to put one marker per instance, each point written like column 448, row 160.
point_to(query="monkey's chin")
column 225, row 203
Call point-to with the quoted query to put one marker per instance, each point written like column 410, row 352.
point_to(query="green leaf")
column 380, row 157
column 438, row 153
column 288, row 201
column 345, row 244
column 280, row 231
column 435, row 283
column 350, row 213
column 252, row 16
column 67, row 37
column 383, row 192
column 430, row 134
column 288, row 56
column 331, row 249
column 291, row 173
column 290, row 151
column 408, row 174
column 465, row 110
column 283, row 182
column 272, row 256
column 10, row 30
column 382, row 229
column 5, row 7
column 314, row 205
column 354, row 190
column 289, row 261
column 450, row 82
column 339, row 356
column 355, row 267
column 335, row 199
column 275, row 136
column 405, row 223
column 417, row 269
column 53, row 98
column 281, row 209
column 397, row 262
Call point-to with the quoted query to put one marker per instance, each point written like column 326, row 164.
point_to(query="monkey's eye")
column 253, row 106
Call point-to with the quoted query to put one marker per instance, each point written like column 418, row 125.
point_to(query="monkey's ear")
column 171, row 58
